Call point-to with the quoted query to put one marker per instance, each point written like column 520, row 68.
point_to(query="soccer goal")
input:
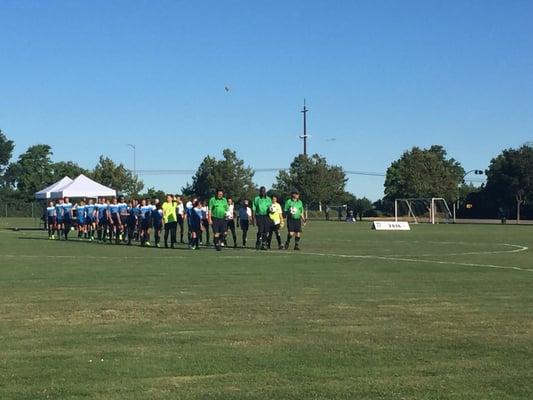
column 433, row 210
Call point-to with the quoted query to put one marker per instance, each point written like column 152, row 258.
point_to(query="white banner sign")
column 391, row 226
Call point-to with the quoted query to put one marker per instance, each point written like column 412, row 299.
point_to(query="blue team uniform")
column 113, row 210
column 51, row 215
column 59, row 213
column 102, row 213
column 80, row 214
column 67, row 212
column 146, row 214
column 89, row 213
column 195, row 216
column 133, row 216
column 123, row 212
column 157, row 218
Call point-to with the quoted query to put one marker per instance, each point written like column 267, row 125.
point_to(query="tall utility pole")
column 304, row 137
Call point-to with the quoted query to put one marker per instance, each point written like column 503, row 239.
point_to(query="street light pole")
column 134, row 158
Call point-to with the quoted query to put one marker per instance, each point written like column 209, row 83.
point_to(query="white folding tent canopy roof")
column 47, row 191
column 84, row 187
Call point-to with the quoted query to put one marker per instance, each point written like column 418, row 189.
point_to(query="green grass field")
column 440, row 312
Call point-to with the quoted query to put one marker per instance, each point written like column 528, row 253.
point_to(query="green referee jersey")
column 297, row 208
column 218, row 207
column 261, row 205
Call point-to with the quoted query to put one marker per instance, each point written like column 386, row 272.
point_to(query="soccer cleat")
column 148, row 244
column 296, row 247
column 49, row 237
column 157, row 245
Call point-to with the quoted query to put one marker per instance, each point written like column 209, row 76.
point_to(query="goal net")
column 433, row 210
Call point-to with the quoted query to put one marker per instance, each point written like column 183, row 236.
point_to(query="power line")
column 152, row 172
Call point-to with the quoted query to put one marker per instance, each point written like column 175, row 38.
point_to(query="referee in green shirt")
column 294, row 211
column 218, row 207
column 260, row 209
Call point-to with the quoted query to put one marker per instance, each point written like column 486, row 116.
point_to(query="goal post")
column 432, row 210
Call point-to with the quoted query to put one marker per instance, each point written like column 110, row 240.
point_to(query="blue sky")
column 378, row 76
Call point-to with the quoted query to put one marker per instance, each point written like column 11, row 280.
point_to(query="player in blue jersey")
column 80, row 219
column 101, row 219
column 123, row 214
column 51, row 219
column 90, row 219
column 157, row 222
column 194, row 220
column 145, row 222
column 67, row 217
column 59, row 218
column 132, row 219
column 188, row 209
column 115, row 224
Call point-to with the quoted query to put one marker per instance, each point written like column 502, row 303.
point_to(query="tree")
column 229, row 174
column 153, row 193
column 318, row 182
column 32, row 171
column 424, row 173
column 67, row 168
column 6, row 151
column 116, row 176
column 510, row 178
column 361, row 207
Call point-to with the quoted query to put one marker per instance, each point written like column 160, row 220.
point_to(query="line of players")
column 117, row 221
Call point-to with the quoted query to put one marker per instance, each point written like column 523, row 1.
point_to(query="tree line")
column 417, row 173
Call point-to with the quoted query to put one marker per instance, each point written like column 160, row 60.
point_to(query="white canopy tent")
column 46, row 193
column 83, row 186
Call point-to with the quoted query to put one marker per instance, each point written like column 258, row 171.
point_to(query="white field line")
column 515, row 249
column 415, row 260
column 81, row 257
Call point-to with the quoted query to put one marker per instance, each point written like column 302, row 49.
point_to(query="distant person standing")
column 180, row 213
column 67, row 217
column 90, row 220
column 294, row 209
column 276, row 217
column 244, row 217
column 218, row 207
column 170, row 220
column 194, row 221
column 80, row 217
column 51, row 219
column 205, row 222
column 260, row 210
column 59, row 217
column 230, row 219
column 157, row 223
column 145, row 222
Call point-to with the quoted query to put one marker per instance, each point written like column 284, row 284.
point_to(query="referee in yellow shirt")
column 170, row 220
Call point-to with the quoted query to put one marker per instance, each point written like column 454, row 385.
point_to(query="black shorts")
column 231, row 224
column 146, row 223
column 116, row 219
column 245, row 224
column 263, row 223
column 51, row 221
column 220, row 226
column 294, row 225
column 123, row 219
